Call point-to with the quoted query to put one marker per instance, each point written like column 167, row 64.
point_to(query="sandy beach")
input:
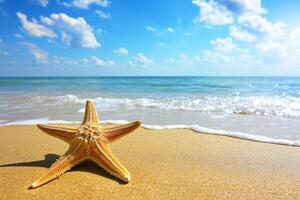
column 164, row 164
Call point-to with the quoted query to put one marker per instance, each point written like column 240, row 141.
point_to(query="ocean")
column 265, row 109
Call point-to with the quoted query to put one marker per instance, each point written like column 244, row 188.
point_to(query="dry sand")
column 164, row 164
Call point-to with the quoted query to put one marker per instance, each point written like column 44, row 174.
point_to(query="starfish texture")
column 89, row 141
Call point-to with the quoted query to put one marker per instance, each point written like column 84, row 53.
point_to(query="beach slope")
column 164, row 164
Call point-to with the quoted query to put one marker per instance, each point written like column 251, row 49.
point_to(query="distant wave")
column 38, row 121
column 275, row 106
column 196, row 128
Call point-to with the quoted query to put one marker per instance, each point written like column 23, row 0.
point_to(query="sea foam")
column 196, row 128
column 272, row 106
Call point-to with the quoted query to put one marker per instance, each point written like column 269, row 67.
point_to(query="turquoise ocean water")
column 257, row 108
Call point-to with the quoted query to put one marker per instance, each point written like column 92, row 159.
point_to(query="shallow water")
column 267, row 106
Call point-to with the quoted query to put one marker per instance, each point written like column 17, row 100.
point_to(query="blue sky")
column 131, row 38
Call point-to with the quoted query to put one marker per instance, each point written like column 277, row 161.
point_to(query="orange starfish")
column 89, row 141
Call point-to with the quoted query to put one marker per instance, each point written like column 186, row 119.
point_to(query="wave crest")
column 276, row 106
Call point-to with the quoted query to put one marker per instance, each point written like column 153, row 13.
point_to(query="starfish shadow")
column 85, row 166
column 49, row 159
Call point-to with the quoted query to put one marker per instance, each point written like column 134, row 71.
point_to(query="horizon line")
column 147, row 76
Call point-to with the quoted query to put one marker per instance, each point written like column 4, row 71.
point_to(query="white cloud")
column 159, row 32
column 169, row 60
column 39, row 55
column 121, row 51
column 100, row 31
column 150, row 28
column 43, row 3
column 104, row 63
column 140, row 61
column 210, row 56
column 33, row 28
column 169, row 29
column 248, row 14
column 241, row 6
column 226, row 53
column 222, row 12
column 294, row 39
column 213, row 13
column 17, row 35
column 184, row 58
column 102, row 14
column 241, row 34
column 75, row 32
column 241, row 58
column 273, row 51
column 66, row 61
column 85, row 4
column 161, row 44
column 190, row 60
column 262, row 25
column 224, row 44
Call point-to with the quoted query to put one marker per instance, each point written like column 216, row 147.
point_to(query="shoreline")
column 164, row 164
column 196, row 128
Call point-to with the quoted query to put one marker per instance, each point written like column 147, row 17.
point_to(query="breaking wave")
column 275, row 106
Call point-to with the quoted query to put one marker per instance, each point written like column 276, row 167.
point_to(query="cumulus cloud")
column 190, row 60
column 43, row 3
column 154, row 30
column 241, row 58
column 169, row 29
column 282, row 53
column 140, row 60
column 261, row 25
column 75, row 32
column 273, row 51
column 102, row 14
column 224, row 51
column 241, row 34
column 100, row 31
column 33, row 28
column 222, row 12
column 248, row 15
column 213, row 13
column 121, row 51
column 210, row 56
column 294, row 39
column 39, row 55
column 85, row 4
column 150, row 28
column 159, row 31
column 224, row 44
column 104, row 63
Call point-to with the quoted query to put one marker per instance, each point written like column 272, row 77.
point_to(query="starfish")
column 89, row 141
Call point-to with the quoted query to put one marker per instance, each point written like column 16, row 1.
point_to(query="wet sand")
column 164, row 164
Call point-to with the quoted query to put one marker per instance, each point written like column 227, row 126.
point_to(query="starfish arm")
column 62, row 165
column 114, row 133
column 61, row 132
column 102, row 155
column 90, row 115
